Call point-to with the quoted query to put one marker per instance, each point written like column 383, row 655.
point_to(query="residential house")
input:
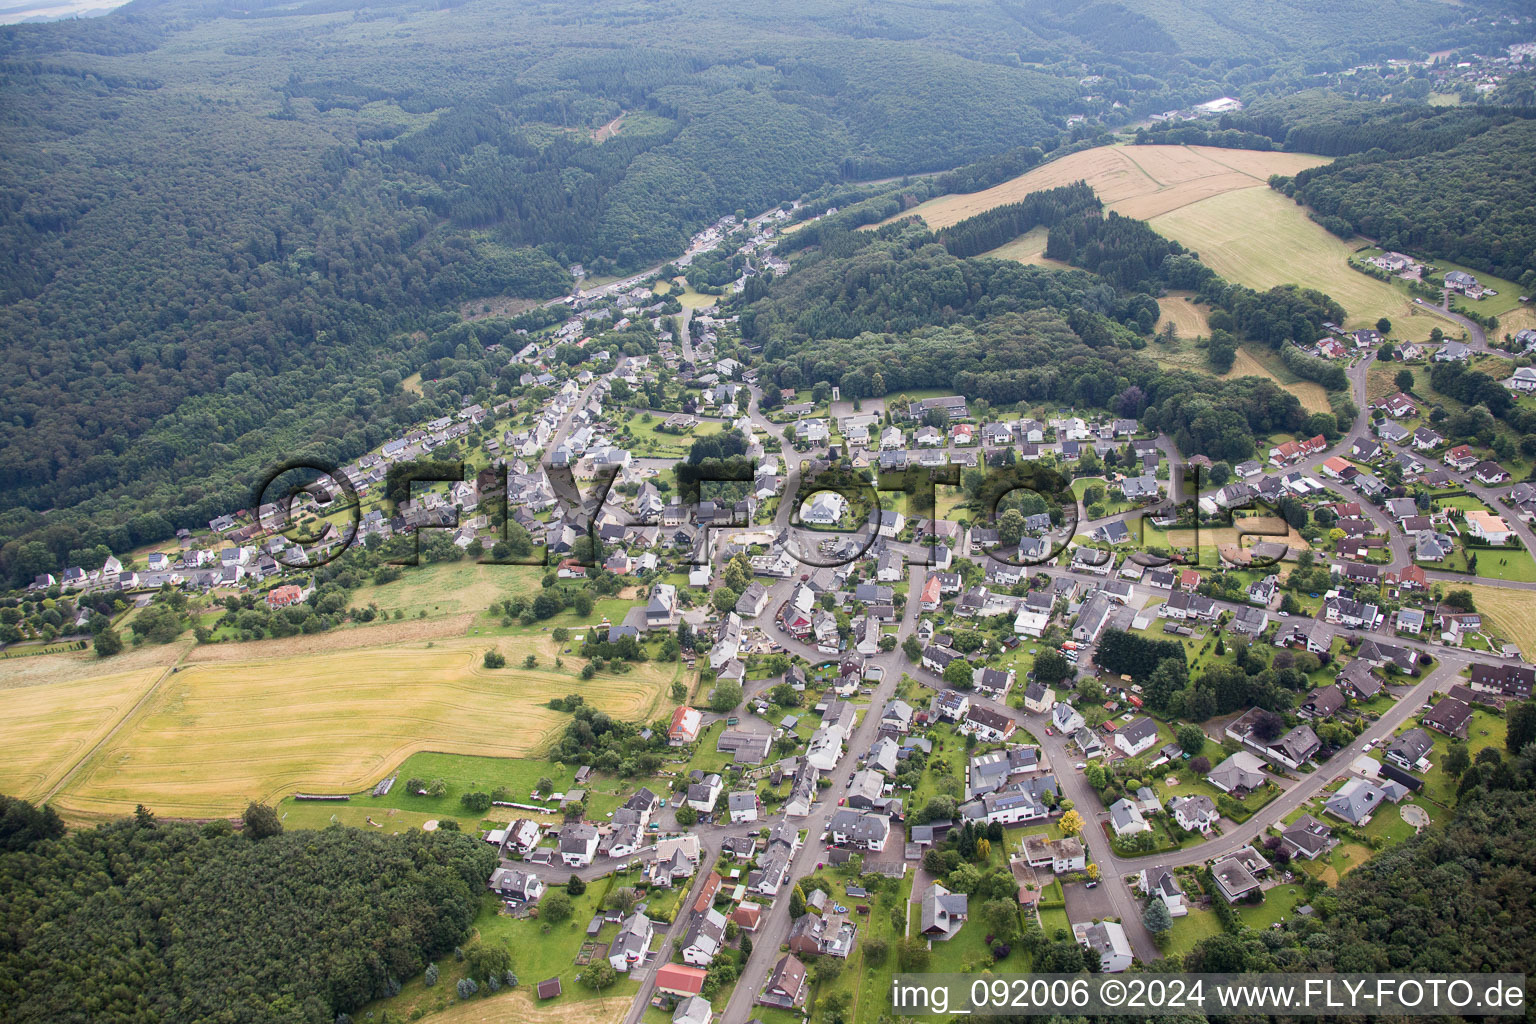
column 1240, row 773
column 515, row 884
column 1322, row 703
column 578, row 844
column 1196, row 813
column 744, row 806
column 1410, row 750
column 1136, row 736
column 684, row 728
column 705, row 938
column 786, row 987
column 1503, row 680
column 1449, row 716
column 680, row 980
column 987, row 725
column 1233, row 878
column 1108, row 939
column 693, row 1010
column 629, row 947
column 1355, row 801
column 704, row 791
column 1066, row 718
column 1161, row 883
column 1307, row 837
column 944, row 913
column 1125, row 818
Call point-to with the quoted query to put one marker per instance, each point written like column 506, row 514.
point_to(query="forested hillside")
column 1473, row 201
column 140, row 921
column 221, row 221
column 894, row 311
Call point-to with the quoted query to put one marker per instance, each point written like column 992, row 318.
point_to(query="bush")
column 495, row 659
column 555, row 907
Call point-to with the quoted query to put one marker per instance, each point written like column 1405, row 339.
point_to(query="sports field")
column 1138, row 181
column 216, row 735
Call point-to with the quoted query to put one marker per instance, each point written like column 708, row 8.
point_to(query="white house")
column 578, row 844
column 704, row 938
column 1136, row 736
column 1161, row 883
column 1066, row 718
column 1126, row 818
column 1107, row 938
column 630, row 945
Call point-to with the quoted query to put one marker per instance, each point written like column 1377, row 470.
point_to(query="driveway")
column 1084, row 904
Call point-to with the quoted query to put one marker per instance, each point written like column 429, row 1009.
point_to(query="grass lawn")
column 1279, row 903
column 963, row 954
column 463, row 773
column 1189, row 930
column 449, row 588
column 1388, row 824
column 1491, row 305
column 948, row 762
column 649, row 440
column 538, row 952
column 1483, row 730
column 1055, row 920
column 1504, row 563
column 1111, row 505
column 870, row 984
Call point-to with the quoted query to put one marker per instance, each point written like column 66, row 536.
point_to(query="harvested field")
column 519, row 1005
column 1259, row 238
column 1512, row 611
column 1138, row 181
column 48, row 669
column 373, row 635
column 1187, row 317
column 1027, row 248
column 1314, row 397
column 48, row 727
column 216, row 735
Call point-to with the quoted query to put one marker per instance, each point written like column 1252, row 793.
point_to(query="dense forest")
column 985, row 231
column 205, row 272
column 144, row 921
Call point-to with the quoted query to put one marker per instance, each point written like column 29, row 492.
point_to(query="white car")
column 1081, row 765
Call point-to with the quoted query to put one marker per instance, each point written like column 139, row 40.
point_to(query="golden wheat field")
column 1512, row 611
column 1138, row 181
column 216, row 735
column 46, row 727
